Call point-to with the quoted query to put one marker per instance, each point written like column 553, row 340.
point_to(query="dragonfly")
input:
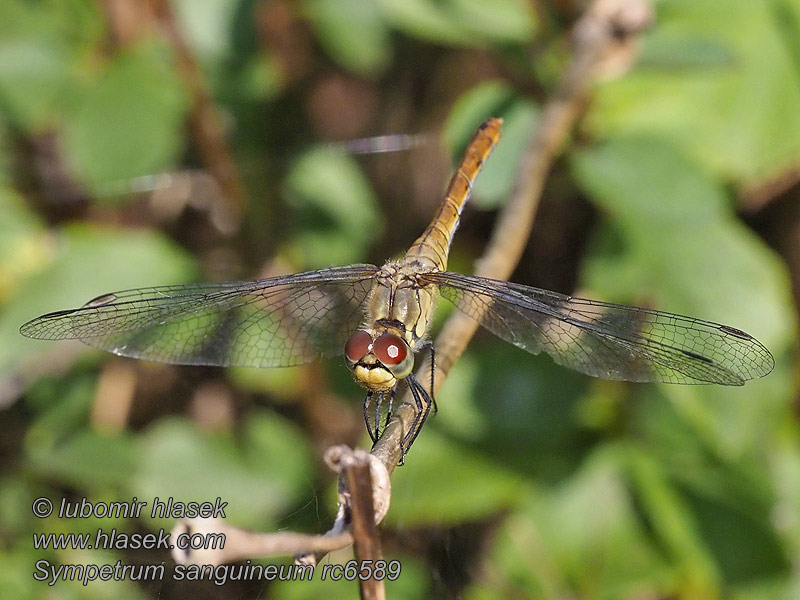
column 379, row 317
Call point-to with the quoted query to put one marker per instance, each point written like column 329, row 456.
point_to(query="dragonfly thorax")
column 400, row 298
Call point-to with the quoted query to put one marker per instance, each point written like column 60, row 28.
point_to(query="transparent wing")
column 608, row 340
column 280, row 321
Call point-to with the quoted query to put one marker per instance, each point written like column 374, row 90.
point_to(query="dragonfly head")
column 378, row 363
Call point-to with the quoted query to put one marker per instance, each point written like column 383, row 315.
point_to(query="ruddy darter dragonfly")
column 380, row 317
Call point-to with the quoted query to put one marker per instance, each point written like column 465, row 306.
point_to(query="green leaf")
column 673, row 49
column 207, row 25
column 353, row 32
column 259, row 79
column 41, row 45
column 62, row 406
column 334, row 206
column 671, row 242
column 33, row 76
column 590, row 525
column 446, row 483
column 500, row 21
column 693, row 494
column 520, row 117
column 739, row 117
column 426, row 20
column 462, row 22
column 518, row 409
column 771, row 589
column 23, row 248
column 259, row 476
column 581, row 539
column 671, row 518
column 276, row 449
column 16, row 517
column 680, row 245
column 131, row 123
column 87, row 460
column 15, row 576
column 727, row 529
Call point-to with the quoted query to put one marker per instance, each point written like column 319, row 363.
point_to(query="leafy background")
column 679, row 190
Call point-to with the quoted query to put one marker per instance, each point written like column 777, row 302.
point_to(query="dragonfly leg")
column 372, row 431
column 429, row 345
column 424, row 402
column 391, row 404
column 378, row 399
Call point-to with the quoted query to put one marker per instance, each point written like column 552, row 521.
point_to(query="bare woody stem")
column 128, row 22
column 367, row 541
column 607, row 25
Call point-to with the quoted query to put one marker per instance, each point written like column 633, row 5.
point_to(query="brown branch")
column 127, row 23
column 381, row 497
column 207, row 125
column 367, row 542
column 607, row 27
column 241, row 543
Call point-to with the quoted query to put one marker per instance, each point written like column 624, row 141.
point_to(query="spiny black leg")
column 391, row 404
column 433, row 387
column 378, row 403
column 372, row 434
column 419, row 394
column 411, row 432
column 430, row 346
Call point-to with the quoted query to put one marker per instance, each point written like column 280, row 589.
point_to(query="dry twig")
column 129, row 21
column 606, row 25
column 366, row 540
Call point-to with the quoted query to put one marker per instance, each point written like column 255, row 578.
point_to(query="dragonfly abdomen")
column 433, row 246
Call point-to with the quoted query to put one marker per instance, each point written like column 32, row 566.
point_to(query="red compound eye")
column 390, row 349
column 357, row 346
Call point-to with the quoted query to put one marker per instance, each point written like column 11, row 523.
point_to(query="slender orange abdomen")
column 434, row 243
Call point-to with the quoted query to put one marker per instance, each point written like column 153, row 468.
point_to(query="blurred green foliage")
column 531, row 481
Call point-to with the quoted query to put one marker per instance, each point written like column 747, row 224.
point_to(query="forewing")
column 608, row 340
column 275, row 322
